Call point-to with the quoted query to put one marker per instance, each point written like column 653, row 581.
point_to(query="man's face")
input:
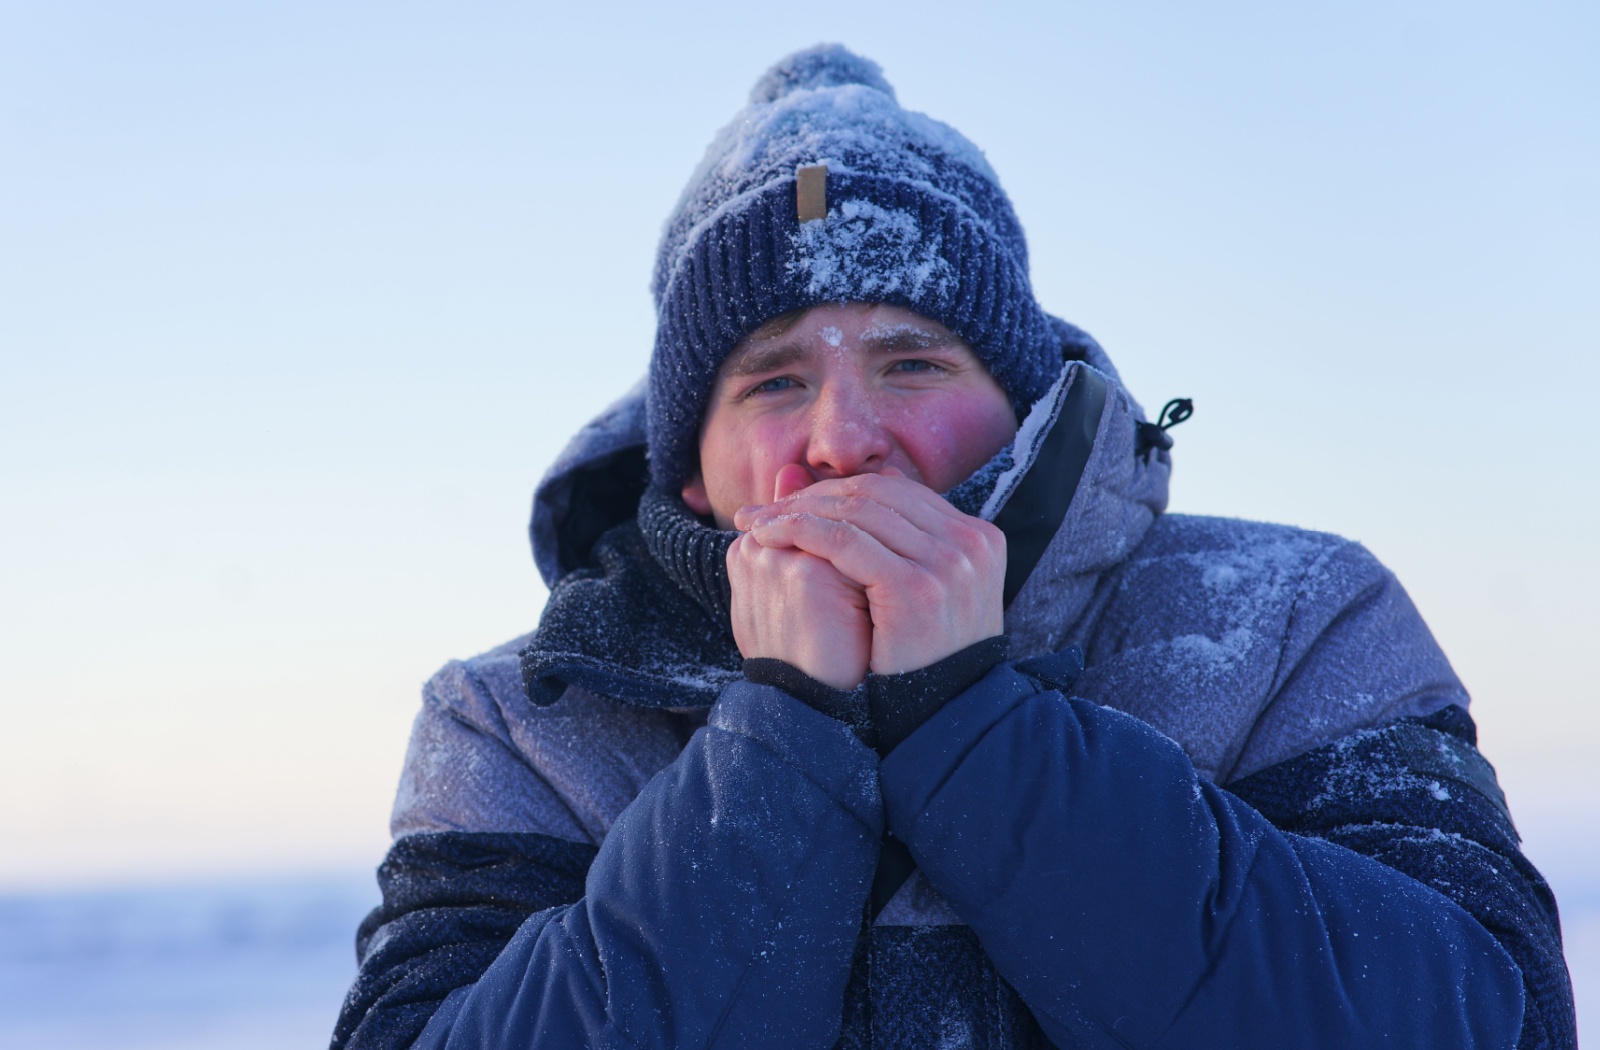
column 845, row 390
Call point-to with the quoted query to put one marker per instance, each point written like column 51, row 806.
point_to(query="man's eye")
column 771, row 386
column 913, row 364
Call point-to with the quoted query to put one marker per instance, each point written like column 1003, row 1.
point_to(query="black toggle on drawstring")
column 1154, row 435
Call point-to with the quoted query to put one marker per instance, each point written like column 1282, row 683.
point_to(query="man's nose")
column 847, row 434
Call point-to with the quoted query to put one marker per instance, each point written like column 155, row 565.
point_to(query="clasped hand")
column 874, row 572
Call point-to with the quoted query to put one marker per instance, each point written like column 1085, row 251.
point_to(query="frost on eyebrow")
column 904, row 335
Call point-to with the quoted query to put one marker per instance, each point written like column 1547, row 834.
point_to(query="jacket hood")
column 596, row 481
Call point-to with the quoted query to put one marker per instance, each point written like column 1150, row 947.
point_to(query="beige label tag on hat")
column 811, row 191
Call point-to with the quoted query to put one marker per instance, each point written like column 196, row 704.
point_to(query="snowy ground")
column 262, row 966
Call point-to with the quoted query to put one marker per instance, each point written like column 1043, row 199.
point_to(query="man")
column 880, row 705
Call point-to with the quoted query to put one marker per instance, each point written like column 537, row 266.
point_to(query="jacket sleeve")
column 1416, row 796
column 722, row 908
column 1132, row 903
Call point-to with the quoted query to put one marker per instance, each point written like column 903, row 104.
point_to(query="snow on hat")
column 904, row 210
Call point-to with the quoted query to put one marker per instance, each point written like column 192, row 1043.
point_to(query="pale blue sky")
column 297, row 300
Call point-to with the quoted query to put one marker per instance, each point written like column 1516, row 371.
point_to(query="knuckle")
column 859, row 484
column 983, row 539
column 853, row 503
column 988, row 530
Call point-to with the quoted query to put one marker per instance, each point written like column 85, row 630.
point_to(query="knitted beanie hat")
column 823, row 190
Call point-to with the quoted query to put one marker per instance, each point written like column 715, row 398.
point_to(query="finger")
column 792, row 477
column 885, row 488
column 898, row 490
column 938, row 545
column 911, row 500
column 858, row 555
column 885, row 524
column 748, row 559
column 905, row 494
column 793, row 606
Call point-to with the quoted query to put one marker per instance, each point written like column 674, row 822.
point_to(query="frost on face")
column 882, row 331
column 863, row 253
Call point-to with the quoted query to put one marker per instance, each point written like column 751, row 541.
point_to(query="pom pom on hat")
column 823, row 66
column 914, row 217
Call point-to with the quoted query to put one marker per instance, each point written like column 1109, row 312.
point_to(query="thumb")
column 792, row 477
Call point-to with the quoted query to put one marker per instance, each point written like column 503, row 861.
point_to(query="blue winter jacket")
column 1256, row 818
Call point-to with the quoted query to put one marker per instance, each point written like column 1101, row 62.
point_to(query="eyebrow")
column 896, row 339
column 760, row 359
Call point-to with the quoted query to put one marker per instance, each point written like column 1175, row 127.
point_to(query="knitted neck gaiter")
column 693, row 555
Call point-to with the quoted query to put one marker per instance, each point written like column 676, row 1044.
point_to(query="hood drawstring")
column 1154, row 435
